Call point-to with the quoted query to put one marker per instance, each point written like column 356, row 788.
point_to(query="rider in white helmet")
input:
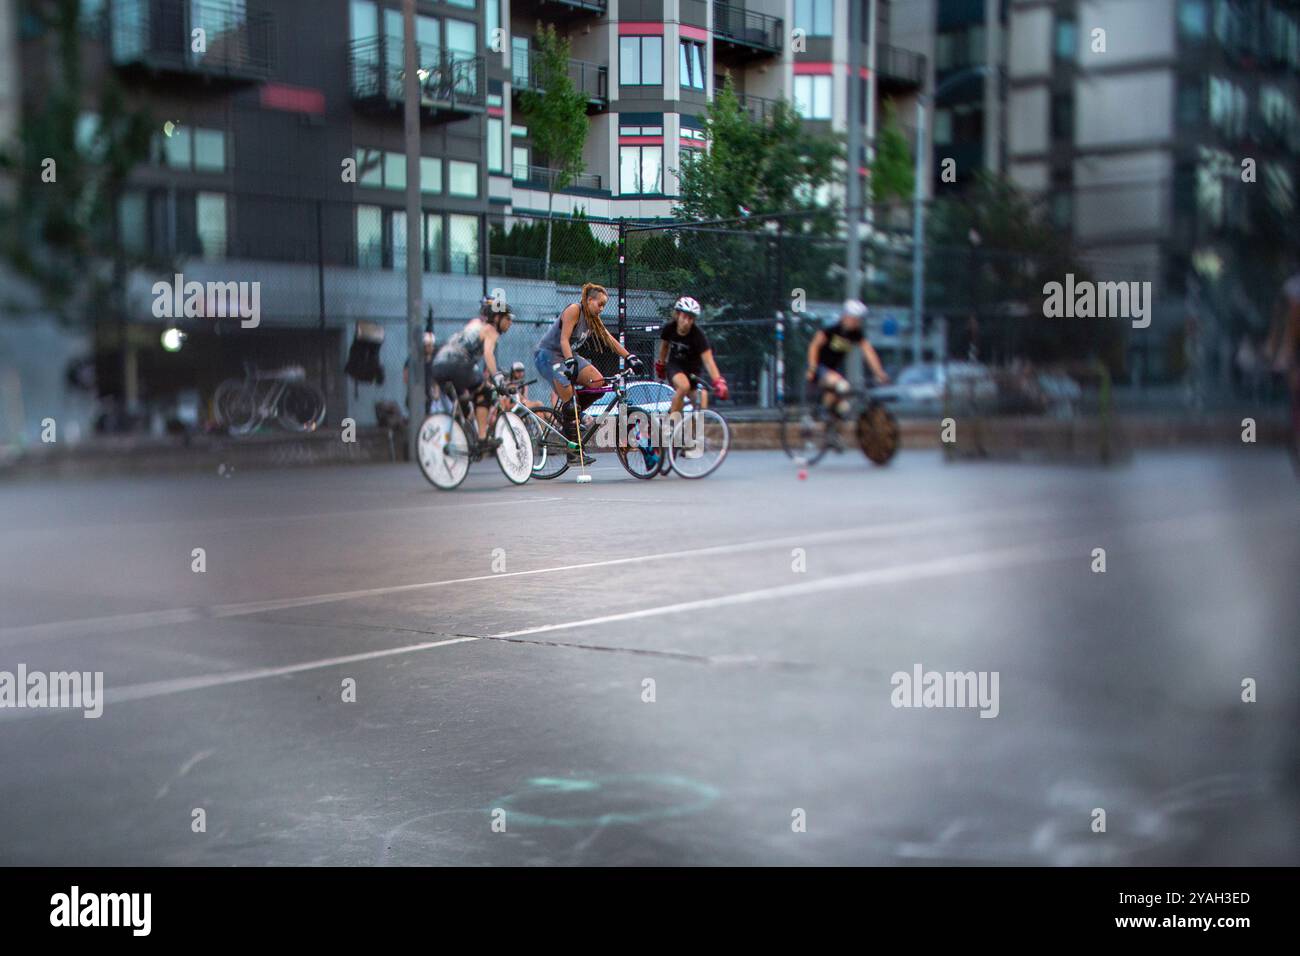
column 684, row 351
column 830, row 346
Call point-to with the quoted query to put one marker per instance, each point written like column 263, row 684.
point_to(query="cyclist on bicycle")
column 516, row 382
column 683, row 350
column 827, row 351
column 560, row 365
column 457, row 361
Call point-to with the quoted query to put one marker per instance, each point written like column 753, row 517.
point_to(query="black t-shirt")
column 839, row 342
column 684, row 351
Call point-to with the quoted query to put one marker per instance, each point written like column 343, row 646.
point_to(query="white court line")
column 1182, row 528
column 185, row 615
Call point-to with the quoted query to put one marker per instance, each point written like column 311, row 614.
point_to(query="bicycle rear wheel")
column 302, row 407
column 640, row 450
column 443, row 451
column 699, row 443
column 515, row 451
column 803, row 436
column 550, row 447
column 878, row 434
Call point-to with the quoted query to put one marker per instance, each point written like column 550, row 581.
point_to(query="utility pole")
column 853, row 191
column 414, row 248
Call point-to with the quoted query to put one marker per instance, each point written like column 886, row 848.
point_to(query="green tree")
column 557, row 118
column 59, row 229
column 754, row 166
column 892, row 173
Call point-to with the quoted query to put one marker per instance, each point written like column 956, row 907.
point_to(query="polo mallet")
column 583, row 478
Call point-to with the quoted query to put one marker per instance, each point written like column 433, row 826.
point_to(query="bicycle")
column 809, row 432
column 244, row 405
column 699, row 440
column 448, row 443
column 637, row 447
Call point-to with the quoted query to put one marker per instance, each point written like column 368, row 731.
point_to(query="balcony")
column 551, row 11
column 589, row 78
column 740, row 34
column 898, row 71
column 156, row 37
column 759, row 108
column 452, row 85
column 543, row 178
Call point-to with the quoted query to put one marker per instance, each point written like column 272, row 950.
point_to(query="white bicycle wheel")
column 699, row 443
column 443, row 451
column 515, row 453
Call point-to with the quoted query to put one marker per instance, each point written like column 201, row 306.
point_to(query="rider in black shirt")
column 684, row 351
column 831, row 345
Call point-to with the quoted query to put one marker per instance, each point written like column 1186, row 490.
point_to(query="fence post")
column 622, row 286
column 320, row 293
column 780, row 359
column 484, row 250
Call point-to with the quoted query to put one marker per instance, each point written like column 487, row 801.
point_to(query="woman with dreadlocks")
column 562, row 367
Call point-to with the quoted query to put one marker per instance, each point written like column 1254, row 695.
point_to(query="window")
column 432, row 242
column 640, row 61
column 519, row 162
column 519, row 61
column 462, row 42
column 691, row 65
column 495, row 143
column 1194, row 19
column 192, row 148
column 462, row 178
column 430, row 175
column 463, row 243
column 640, row 131
column 640, row 169
column 467, row 4
column 370, row 233
column 814, row 17
column 176, row 148
column 396, row 239
column 942, row 127
column 959, row 48
column 370, row 167
column 1063, row 116
column 133, row 223
column 1191, row 111
column 210, row 225
column 1067, row 39
column 518, row 131
column 493, row 13
column 812, row 97
column 394, row 171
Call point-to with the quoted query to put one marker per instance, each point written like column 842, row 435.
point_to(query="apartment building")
column 1135, row 119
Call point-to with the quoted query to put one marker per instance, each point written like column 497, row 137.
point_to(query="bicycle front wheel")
column 803, row 438
column 878, row 434
column 699, row 443
column 443, row 451
column 302, row 408
column 515, row 451
column 640, row 450
column 550, row 447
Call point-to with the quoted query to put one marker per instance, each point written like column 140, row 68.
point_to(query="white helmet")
column 854, row 308
column 688, row 305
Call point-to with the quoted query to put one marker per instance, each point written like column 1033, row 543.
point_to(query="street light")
column 918, row 204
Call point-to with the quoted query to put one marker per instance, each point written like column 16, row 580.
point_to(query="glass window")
column 176, row 148
column 519, row 61
column 432, row 242
column 462, row 39
column 394, row 171
column 814, row 17
column 519, row 162
column 640, row 61
column 463, row 243
column 397, row 239
column 518, row 130
column 210, row 217
column 462, row 178
column 370, row 168
column 495, row 143
column 430, row 174
column 1067, row 39
column 209, row 150
column 691, row 65
column 492, row 11
column 812, row 97
column 87, row 130
column 942, row 127
column 132, row 223
column 640, row 169
column 467, row 4
column 370, row 243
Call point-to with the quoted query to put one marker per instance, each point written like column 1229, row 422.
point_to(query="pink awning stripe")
column 692, row 33
column 639, row 28
column 813, row 69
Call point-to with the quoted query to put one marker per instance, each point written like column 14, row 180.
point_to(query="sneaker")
column 576, row 459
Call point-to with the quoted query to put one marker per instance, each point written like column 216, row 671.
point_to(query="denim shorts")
column 546, row 362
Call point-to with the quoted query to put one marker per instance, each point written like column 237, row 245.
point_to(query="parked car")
column 919, row 389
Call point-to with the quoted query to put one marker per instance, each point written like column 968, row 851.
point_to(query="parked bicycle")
column 283, row 395
column 809, row 429
column 448, row 443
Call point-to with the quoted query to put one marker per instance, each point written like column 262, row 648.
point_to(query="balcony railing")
column 589, row 78
column 561, row 8
column 543, row 177
column 899, row 69
column 748, row 29
column 160, row 35
column 451, row 84
column 758, row 107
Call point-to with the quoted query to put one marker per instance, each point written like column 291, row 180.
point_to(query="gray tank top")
column 551, row 340
column 469, row 340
